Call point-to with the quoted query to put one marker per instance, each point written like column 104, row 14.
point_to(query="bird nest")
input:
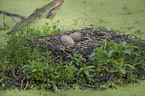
column 91, row 38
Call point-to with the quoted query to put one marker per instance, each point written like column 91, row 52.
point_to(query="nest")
column 91, row 38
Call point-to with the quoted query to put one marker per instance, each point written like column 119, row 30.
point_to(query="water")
column 124, row 15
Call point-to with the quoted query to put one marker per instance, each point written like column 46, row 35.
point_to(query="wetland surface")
column 123, row 15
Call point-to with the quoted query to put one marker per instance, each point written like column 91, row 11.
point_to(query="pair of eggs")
column 70, row 40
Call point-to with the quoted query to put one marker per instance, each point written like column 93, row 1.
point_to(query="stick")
column 37, row 14
column 13, row 82
column 11, row 14
column 18, row 78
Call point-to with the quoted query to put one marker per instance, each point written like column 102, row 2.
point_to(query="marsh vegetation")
column 38, row 59
column 35, row 58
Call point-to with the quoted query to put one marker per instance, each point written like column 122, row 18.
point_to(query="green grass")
column 130, row 90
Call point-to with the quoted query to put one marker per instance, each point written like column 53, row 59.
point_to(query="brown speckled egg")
column 67, row 40
column 76, row 36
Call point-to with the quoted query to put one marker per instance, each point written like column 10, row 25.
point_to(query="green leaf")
column 130, row 66
column 92, row 56
column 105, row 52
column 121, row 61
column 87, row 73
column 110, row 53
column 114, row 71
column 115, row 45
column 122, row 70
column 34, row 70
column 99, row 50
column 127, row 51
column 124, row 44
column 115, row 61
column 25, row 66
column 136, row 53
column 81, row 69
column 90, row 67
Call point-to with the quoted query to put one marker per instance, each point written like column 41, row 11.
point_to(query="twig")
column 139, row 73
column 16, row 79
column 141, row 60
column 73, row 23
column 110, row 79
column 14, row 19
column 11, row 14
column 65, row 52
column 92, row 86
column 90, row 18
column 13, row 82
column 22, row 83
column 3, row 22
column 55, row 58
column 26, row 85
column 3, row 59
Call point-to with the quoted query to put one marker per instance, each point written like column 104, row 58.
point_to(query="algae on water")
column 123, row 15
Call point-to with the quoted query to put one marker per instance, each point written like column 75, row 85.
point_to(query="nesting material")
column 67, row 40
column 77, row 36
column 91, row 39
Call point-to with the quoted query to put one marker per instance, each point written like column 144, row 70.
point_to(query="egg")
column 67, row 40
column 77, row 36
